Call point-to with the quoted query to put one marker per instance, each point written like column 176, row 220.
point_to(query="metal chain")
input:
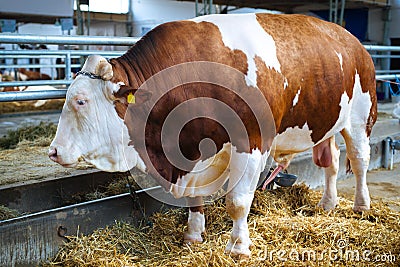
column 136, row 201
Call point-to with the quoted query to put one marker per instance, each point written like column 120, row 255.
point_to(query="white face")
column 90, row 128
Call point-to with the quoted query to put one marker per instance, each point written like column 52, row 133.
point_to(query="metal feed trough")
column 34, row 237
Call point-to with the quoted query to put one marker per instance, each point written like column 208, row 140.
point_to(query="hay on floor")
column 285, row 226
column 28, row 106
column 32, row 135
column 7, row 213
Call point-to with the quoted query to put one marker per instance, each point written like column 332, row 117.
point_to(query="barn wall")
column 375, row 26
column 395, row 28
column 150, row 13
column 59, row 8
column 376, row 23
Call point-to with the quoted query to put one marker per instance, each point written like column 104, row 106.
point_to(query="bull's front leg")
column 245, row 170
column 196, row 221
column 238, row 208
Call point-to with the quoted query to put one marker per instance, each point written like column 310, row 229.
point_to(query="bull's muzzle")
column 53, row 154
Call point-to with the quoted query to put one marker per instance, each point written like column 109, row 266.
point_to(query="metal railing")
column 66, row 39
column 378, row 53
column 65, row 55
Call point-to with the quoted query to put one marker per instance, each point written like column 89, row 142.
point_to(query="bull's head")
column 89, row 126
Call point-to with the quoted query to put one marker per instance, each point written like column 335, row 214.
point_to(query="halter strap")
column 89, row 74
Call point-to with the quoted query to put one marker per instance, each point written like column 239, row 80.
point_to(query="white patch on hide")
column 285, row 84
column 343, row 120
column 353, row 112
column 339, row 55
column 362, row 104
column 237, row 31
column 296, row 98
column 208, row 176
column 293, row 140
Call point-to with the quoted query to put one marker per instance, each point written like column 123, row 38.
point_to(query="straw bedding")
column 285, row 226
column 7, row 213
column 10, row 107
column 23, row 155
column 32, row 135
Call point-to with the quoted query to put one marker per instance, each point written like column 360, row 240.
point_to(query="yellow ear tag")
column 131, row 99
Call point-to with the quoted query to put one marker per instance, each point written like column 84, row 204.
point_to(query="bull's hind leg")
column 245, row 170
column 327, row 155
column 358, row 152
column 196, row 221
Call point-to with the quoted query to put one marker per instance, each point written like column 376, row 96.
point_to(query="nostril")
column 53, row 154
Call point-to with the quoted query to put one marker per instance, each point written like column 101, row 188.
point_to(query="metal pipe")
column 385, row 56
column 336, row 11
column 76, row 53
column 79, row 19
column 32, row 95
column 129, row 24
column 342, row 12
column 35, row 83
column 388, row 72
column 387, row 76
column 26, row 66
column 25, row 56
column 68, row 72
column 386, row 153
column 66, row 39
column 382, row 48
column 386, row 41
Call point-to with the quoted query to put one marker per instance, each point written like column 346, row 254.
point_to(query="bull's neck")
column 138, row 64
column 127, row 72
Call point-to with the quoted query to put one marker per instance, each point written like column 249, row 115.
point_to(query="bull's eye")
column 81, row 102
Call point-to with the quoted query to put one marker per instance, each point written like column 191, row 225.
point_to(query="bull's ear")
column 104, row 70
column 131, row 95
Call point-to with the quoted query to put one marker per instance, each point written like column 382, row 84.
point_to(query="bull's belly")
column 206, row 178
column 210, row 175
column 293, row 140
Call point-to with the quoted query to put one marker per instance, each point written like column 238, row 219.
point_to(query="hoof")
column 327, row 204
column 360, row 208
column 190, row 239
column 362, row 202
column 238, row 250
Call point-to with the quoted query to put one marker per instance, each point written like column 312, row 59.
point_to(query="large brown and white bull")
column 315, row 77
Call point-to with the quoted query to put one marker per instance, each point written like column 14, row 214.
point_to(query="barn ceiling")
column 290, row 6
column 94, row 16
column 287, row 6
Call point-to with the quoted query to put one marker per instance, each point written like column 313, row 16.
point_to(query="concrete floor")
column 383, row 185
column 12, row 122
